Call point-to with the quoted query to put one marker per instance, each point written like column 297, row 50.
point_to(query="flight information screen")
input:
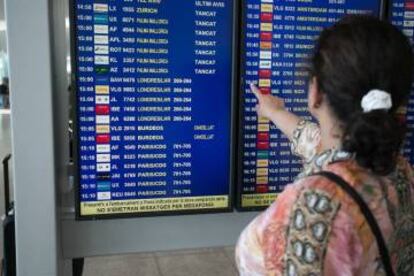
column 402, row 16
column 154, row 105
column 278, row 38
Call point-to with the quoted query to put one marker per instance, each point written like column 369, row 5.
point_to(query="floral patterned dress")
column 314, row 228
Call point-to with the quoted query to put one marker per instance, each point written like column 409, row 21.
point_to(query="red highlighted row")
column 102, row 109
column 409, row 5
column 265, row 90
column 265, row 74
column 103, row 139
column 262, row 189
column 265, row 36
column 266, row 17
column 263, row 136
column 263, row 145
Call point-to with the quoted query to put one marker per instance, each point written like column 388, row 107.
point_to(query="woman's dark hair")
column 356, row 55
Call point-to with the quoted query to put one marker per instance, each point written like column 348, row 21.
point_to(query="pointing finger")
column 255, row 90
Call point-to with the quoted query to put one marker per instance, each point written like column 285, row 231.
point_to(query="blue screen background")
column 206, row 99
column 294, row 32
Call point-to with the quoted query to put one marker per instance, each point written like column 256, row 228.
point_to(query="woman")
column 361, row 75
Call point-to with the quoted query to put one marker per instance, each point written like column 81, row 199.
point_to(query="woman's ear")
column 315, row 97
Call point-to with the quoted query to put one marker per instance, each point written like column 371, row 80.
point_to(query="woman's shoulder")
column 302, row 219
column 306, row 140
column 304, row 192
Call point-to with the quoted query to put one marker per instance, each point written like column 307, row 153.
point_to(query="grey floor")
column 201, row 262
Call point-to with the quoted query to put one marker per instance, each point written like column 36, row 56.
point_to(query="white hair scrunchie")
column 376, row 100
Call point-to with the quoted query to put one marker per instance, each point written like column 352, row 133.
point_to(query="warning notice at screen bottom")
column 153, row 205
column 258, row 200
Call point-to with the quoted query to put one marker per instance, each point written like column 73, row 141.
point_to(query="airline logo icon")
column 267, row 8
column 104, row 195
column 103, row 148
column 102, row 109
column 264, row 83
column 262, row 180
column 265, row 73
column 265, row 90
column 263, row 154
column 409, row 15
column 101, row 29
column 265, row 54
column 262, row 189
column 102, row 119
column 265, row 45
column 102, row 99
column 103, row 139
column 103, row 158
column 103, row 167
column 408, row 23
column 102, row 8
column 102, row 60
column 102, row 80
column 101, row 18
column 266, row 17
column 102, row 129
column 104, row 186
column 103, row 176
column 264, row 127
column 409, row 5
column 266, row 27
column 264, row 120
column 101, row 69
column 101, row 49
column 266, row 36
column 263, row 136
column 265, row 64
column 408, row 32
column 263, row 145
column 262, row 163
column 101, row 39
column 262, row 172
column 102, row 89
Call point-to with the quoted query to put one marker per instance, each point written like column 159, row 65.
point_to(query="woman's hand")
column 273, row 108
column 267, row 104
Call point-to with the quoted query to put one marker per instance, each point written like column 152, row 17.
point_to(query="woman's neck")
column 331, row 133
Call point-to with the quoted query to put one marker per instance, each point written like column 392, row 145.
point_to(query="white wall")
column 29, row 44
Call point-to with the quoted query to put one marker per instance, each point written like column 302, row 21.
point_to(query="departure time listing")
column 154, row 86
column 278, row 40
column 402, row 16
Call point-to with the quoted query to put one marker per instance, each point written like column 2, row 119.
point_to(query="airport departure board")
column 154, row 83
column 278, row 38
column 402, row 16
